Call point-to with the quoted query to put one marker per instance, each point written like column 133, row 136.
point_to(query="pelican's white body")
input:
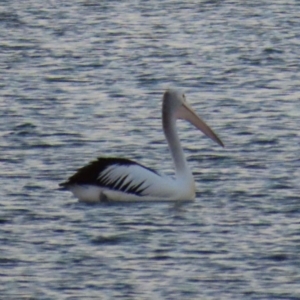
column 161, row 187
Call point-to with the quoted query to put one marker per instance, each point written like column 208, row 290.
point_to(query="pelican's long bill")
column 185, row 112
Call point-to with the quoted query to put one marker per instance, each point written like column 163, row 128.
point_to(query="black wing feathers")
column 91, row 174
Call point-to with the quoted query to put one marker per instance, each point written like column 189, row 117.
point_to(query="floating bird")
column 120, row 179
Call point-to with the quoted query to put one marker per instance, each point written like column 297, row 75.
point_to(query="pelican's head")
column 175, row 106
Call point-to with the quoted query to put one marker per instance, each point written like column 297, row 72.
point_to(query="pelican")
column 120, row 179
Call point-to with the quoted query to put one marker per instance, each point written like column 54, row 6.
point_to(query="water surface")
column 80, row 79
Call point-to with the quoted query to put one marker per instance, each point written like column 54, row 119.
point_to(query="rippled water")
column 80, row 79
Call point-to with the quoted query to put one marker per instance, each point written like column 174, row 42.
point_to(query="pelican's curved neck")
column 169, row 127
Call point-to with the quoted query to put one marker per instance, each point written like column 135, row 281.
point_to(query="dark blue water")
column 80, row 79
